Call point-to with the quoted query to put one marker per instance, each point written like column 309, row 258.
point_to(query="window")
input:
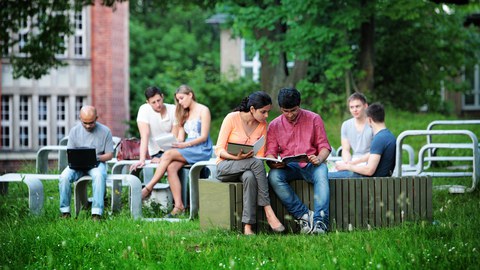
column 23, row 36
column 24, row 122
column 5, row 49
column 43, row 119
column 471, row 99
column 64, row 43
column 80, row 33
column 79, row 103
column 61, row 117
column 250, row 66
column 6, row 123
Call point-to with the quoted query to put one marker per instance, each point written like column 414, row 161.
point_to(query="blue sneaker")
column 306, row 222
column 319, row 228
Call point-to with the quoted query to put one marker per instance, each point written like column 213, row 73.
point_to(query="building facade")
column 35, row 113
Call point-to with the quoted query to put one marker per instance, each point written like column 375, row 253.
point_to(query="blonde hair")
column 182, row 113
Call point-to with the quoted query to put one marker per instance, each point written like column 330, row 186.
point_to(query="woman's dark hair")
column 257, row 99
column 152, row 91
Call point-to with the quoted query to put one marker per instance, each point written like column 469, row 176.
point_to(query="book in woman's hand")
column 166, row 141
column 235, row 148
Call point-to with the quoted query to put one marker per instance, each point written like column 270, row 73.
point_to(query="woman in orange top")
column 246, row 125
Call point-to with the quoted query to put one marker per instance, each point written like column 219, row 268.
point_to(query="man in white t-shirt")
column 154, row 119
column 356, row 134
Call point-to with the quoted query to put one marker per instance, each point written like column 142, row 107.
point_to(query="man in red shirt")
column 298, row 131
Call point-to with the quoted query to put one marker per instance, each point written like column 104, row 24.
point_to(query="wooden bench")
column 362, row 203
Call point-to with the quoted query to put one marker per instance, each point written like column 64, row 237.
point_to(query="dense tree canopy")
column 391, row 50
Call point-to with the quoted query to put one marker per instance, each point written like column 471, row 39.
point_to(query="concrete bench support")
column 135, row 198
column 35, row 190
column 34, row 185
column 362, row 203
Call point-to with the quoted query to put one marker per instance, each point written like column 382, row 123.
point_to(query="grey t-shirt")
column 359, row 141
column 100, row 138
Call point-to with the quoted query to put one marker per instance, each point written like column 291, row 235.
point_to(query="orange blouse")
column 232, row 131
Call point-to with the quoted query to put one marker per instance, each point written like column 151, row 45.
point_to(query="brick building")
column 41, row 112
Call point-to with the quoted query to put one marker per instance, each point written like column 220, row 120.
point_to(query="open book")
column 165, row 142
column 235, row 148
column 287, row 159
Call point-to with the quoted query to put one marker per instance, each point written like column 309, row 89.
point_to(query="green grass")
column 48, row 242
column 452, row 241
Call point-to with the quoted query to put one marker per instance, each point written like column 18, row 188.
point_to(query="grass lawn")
column 452, row 241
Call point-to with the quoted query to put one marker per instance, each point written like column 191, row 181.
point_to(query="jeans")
column 99, row 177
column 344, row 174
column 317, row 175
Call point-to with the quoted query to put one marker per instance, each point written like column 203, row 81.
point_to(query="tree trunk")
column 367, row 53
column 275, row 75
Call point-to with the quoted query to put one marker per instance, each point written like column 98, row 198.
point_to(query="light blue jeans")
column 317, row 175
column 99, row 178
column 344, row 174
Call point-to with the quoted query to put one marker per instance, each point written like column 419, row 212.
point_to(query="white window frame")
column 62, row 110
column 43, row 123
column 23, row 37
column 65, row 53
column 254, row 64
column 6, row 112
column 80, row 33
column 475, row 91
column 25, row 123
column 80, row 101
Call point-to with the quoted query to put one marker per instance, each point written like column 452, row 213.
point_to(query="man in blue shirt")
column 381, row 160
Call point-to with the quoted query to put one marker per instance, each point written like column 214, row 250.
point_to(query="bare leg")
column 167, row 158
column 175, row 186
column 272, row 219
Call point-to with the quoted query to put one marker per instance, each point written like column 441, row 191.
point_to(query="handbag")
column 129, row 149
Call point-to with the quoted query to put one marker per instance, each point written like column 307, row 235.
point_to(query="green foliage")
column 427, row 47
column 172, row 45
column 419, row 47
column 49, row 23
column 169, row 45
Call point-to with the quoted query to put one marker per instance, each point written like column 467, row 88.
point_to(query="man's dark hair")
column 376, row 112
column 289, row 98
column 357, row 96
column 152, row 91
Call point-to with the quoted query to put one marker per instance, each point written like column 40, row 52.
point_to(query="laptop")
column 82, row 158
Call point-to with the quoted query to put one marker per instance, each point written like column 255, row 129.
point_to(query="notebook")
column 82, row 158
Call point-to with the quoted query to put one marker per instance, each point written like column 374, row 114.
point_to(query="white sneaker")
column 306, row 222
column 319, row 228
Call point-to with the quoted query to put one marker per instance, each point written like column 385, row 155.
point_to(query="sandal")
column 146, row 192
column 176, row 211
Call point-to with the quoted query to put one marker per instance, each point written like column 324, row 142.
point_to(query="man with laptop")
column 86, row 135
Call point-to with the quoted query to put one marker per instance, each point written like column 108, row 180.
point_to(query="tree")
column 302, row 32
column 40, row 28
column 388, row 49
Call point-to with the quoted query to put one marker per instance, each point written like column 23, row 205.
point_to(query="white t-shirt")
column 158, row 126
column 359, row 141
